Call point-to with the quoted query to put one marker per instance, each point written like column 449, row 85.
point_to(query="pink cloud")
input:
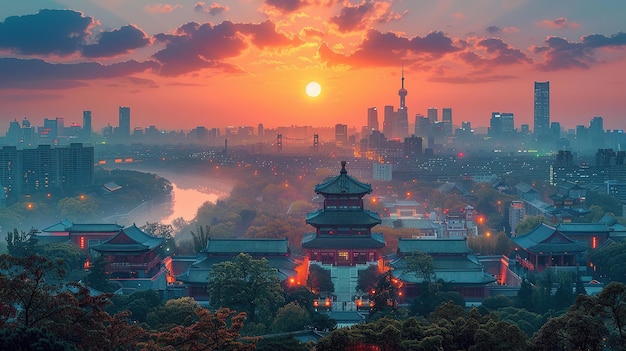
column 162, row 8
column 214, row 9
column 559, row 23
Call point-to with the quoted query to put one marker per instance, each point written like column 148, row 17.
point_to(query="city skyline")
column 186, row 64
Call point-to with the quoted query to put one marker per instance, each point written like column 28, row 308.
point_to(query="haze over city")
column 189, row 63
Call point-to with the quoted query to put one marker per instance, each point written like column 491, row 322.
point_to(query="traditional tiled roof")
column 250, row 246
column 62, row 226
column 95, row 227
column 544, row 238
column 357, row 217
column 459, row 270
column 312, row 241
column 343, row 184
column 525, row 188
column 433, row 246
column 570, row 185
column 449, row 187
column 582, row 228
column 131, row 239
column 198, row 273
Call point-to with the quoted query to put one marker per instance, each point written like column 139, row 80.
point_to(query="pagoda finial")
column 343, row 167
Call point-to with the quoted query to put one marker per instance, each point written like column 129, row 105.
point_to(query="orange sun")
column 313, row 89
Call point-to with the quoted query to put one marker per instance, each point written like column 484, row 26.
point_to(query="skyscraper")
column 372, row 119
column 389, row 122
column 432, row 115
column 446, row 118
column 86, row 132
column 542, row 109
column 123, row 129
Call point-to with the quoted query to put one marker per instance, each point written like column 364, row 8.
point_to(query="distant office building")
column 596, row 132
column 260, row 130
column 432, row 115
column 413, row 147
column 508, row 123
column 555, row 130
column 446, row 119
column 389, row 122
column 422, row 125
column 372, row 119
column 341, row 133
column 542, row 109
column 50, row 131
column 382, row 171
column 517, row 213
column 525, row 129
column 495, row 125
column 123, row 129
column 87, row 128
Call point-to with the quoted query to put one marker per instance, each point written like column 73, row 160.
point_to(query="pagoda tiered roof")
column 347, row 217
column 343, row 184
column 313, row 241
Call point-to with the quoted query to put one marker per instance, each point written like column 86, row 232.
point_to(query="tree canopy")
column 247, row 285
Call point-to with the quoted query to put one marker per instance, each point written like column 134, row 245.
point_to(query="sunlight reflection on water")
column 186, row 202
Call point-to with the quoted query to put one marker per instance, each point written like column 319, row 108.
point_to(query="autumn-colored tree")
column 33, row 296
column 219, row 330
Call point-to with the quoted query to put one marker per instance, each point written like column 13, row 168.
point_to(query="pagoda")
column 343, row 228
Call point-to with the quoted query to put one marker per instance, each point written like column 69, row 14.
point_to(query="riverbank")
column 191, row 188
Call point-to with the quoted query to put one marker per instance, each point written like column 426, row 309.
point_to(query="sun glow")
column 313, row 89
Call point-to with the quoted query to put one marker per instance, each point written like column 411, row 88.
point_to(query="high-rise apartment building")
column 372, row 119
column 123, row 129
column 542, row 109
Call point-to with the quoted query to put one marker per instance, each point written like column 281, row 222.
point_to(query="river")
column 189, row 192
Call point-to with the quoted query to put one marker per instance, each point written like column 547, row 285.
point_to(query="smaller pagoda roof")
column 343, row 184
column 354, row 217
column 131, row 239
column 546, row 239
column 433, row 246
column 313, row 241
column 233, row 247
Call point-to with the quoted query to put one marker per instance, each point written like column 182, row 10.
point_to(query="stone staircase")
column 345, row 281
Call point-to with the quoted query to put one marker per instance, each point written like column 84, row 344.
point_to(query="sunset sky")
column 183, row 64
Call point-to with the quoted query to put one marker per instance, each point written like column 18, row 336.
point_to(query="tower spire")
column 402, row 92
